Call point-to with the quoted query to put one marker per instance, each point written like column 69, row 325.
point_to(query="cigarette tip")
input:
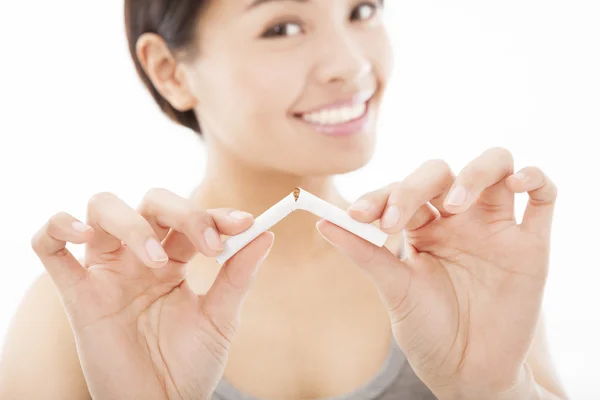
column 296, row 193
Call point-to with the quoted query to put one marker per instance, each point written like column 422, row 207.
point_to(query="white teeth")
column 337, row 115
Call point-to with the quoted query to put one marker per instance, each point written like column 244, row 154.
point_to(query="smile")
column 336, row 116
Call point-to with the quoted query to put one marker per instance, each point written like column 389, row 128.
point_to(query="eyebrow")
column 256, row 3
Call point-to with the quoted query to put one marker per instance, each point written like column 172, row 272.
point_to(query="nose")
column 344, row 59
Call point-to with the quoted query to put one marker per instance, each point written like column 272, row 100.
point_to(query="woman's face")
column 291, row 85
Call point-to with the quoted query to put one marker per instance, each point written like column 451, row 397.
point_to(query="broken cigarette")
column 300, row 199
column 339, row 217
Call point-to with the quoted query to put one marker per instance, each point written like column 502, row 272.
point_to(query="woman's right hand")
column 141, row 332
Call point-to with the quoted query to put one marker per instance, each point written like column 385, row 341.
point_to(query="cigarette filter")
column 303, row 200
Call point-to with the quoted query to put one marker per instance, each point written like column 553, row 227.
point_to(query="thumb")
column 542, row 193
column 224, row 299
column 390, row 275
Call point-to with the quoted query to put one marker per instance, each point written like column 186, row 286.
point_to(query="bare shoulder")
column 39, row 357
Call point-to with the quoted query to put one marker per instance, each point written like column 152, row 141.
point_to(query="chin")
column 339, row 163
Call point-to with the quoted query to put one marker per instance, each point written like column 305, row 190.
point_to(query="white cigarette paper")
column 300, row 199
column 261, row 224
column 339, row 217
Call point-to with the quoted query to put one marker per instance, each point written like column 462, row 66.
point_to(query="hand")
column 141, row 332
column 465, row 298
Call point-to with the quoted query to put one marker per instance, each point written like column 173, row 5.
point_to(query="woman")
column 285, row 94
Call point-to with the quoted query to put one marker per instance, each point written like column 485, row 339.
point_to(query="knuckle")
column 475, row 174
column 147, row 204
column 154, row 193
column 196, row 218
column 443, row 171
column 503, row 153
column 438, row 164
column 100, row 198
column 48, row 231
column 138, row 231
column 58, row 219
column 36, row 240
column 52, row 228
column 395, row 186
column 370, row 195
column 552, row 188
column 55, row 224
column 406, row 191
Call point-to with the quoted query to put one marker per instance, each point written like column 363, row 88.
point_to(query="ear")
column 164, row 71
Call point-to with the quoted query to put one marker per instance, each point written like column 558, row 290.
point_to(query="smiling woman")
column 286, row 94
column 242, row 56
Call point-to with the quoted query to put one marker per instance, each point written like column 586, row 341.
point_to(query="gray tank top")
column 395, row 380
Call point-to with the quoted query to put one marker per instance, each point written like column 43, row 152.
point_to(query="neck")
column 230, row 182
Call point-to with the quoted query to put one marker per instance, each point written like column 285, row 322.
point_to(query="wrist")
column 526, row 387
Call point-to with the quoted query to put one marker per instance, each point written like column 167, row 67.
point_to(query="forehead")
column 256, row 3
column 219, row 11
column 251, row 5
column 236, row 14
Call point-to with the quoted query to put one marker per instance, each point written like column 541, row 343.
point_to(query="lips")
column 340, row 112
column 334, row 116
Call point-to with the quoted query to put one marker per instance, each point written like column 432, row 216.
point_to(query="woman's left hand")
column 465, row 298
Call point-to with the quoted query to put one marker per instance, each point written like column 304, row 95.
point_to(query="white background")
column 469, row 75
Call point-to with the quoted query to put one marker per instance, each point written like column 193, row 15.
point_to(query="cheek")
column 248, row 102
column 381, row 52
column 267, row 90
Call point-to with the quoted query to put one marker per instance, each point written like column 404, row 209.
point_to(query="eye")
column 282, row 30
column 365, row 11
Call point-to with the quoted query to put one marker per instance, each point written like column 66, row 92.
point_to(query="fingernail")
column 263, row 258
column 155, row 251
column 391, row 217
column 360, row 205
column 80, row 226
column 213, row 240
column 457, row 196
column 520, row 175
column 240, row 215
column 318, row 226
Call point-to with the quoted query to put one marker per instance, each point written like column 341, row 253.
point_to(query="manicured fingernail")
column 80, row 226
column 213, row 240
column 360, row 205
column 240, row 215
column 263, row 258
column 457, row 196
column 520, row 175
column 391, row 217
column 318, row 225
column 155, row 251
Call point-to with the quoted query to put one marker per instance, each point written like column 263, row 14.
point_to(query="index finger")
column 482, row 180
column 49, row 243
column 402, row 203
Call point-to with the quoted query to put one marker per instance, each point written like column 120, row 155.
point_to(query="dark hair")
column 174, row 21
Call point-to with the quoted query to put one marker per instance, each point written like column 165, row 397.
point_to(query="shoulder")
column 39, row 357
column 41, row 304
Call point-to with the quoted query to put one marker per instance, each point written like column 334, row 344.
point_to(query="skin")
column 462, row 299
